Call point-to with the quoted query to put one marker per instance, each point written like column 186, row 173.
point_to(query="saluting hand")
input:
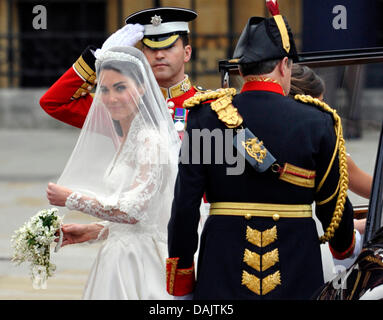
column 57, row 195
column 127, row 36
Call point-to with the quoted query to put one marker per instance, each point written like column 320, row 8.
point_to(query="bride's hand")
column 57, row 195
column 77, row 233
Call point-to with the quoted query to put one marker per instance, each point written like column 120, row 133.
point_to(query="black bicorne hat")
column 162, row 25
column 265, row 39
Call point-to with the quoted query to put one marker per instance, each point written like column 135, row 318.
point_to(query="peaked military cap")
column 265, row 39
column 162, row 25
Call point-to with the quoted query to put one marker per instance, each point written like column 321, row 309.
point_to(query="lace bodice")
column 138, row 162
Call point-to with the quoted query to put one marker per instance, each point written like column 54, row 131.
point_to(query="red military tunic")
column 69, row 98
column 175, row 97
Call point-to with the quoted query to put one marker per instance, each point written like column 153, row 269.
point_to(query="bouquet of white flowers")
column 32, row 242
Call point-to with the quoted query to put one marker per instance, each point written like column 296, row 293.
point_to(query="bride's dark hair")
column 121, row 66
column 305, row 81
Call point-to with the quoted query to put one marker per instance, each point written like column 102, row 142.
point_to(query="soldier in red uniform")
column 164, row 33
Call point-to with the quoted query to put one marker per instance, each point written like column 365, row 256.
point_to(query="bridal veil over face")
column 128, row 123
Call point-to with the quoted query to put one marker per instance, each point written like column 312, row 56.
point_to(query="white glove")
column 358, row 245
column 127, row 36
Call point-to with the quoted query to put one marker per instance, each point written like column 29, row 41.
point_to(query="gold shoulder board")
column 226, row 112
column 202, row 96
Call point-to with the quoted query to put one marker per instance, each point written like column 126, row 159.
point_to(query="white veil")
column 125, row 160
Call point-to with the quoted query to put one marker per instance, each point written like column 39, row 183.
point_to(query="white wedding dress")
column 131, row 262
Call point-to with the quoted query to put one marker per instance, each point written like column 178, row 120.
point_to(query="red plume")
column 273, row 6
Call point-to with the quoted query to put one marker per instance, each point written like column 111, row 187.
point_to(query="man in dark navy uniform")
column 260, row 241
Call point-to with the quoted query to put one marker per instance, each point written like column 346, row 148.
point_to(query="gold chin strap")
column 343, row 180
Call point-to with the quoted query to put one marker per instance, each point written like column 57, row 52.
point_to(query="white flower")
column 31, row 243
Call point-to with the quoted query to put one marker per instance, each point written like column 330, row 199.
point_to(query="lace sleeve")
column 131, row 206
column 93, row 207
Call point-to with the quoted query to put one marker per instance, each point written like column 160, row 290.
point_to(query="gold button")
column 248, row 216
column 275, row 216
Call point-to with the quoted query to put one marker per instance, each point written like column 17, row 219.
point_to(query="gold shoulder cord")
column 343, row 180
column 208, row 95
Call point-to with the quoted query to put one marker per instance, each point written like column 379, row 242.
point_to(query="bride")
column 123, row 170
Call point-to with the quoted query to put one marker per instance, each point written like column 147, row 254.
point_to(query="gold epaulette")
column 226, row 112
column 202, row 96
column 85, row 72
column 343, row 179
